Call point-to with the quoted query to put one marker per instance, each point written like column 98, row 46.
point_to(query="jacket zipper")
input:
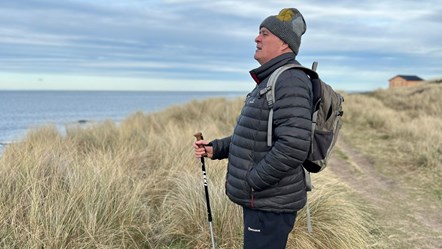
column 252, row 198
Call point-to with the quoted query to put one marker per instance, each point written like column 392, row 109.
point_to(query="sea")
column 21, row 111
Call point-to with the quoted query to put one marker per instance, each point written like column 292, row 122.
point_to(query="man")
column 268, row 182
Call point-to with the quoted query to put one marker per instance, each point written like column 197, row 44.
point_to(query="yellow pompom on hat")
column 289, row 25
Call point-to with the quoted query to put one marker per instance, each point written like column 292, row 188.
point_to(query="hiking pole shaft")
column 199, row 136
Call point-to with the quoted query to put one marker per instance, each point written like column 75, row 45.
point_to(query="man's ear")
column 285, row 47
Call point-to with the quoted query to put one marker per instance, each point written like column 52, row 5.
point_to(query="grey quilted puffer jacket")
column 262, row 177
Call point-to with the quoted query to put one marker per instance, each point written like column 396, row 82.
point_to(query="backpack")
column 326, row 121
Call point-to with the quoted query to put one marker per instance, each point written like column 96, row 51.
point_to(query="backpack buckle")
column 265, row 90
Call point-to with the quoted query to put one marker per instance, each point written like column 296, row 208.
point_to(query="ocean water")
column 23, row 110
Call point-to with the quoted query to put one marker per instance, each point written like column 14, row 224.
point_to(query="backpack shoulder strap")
column 269, row 91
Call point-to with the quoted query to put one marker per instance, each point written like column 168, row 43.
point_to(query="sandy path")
column 407, row 218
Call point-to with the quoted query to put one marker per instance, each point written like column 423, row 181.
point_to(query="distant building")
column 405, row 80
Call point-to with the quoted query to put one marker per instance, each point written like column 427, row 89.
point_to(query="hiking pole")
column 199, row 136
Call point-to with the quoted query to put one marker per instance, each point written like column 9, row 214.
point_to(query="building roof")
column 408, row 77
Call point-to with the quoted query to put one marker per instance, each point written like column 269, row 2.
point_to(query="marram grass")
column 138, row 185
column 399, row 128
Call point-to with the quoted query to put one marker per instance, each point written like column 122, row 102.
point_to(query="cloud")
column 212, row 40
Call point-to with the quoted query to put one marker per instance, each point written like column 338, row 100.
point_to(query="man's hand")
column 202, row 149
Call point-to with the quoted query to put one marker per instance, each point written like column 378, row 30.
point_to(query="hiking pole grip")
column 199, row 136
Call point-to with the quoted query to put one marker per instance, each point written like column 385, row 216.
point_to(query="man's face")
column 268, row 46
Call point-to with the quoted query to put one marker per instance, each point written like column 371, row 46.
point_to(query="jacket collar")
column 265, row 70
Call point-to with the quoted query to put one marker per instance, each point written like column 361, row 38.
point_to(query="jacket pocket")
column 249, row 188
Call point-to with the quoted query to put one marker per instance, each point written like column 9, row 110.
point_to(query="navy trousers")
column 266, row 230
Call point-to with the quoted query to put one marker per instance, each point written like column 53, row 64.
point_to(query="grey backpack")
column 326, row 120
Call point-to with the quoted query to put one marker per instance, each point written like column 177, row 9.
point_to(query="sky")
column 202, row 45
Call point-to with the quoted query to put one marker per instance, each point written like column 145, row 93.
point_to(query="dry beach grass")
column 393, row 150
column 137, row 184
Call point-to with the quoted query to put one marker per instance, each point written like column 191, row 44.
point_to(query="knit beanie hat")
column 289, row 25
